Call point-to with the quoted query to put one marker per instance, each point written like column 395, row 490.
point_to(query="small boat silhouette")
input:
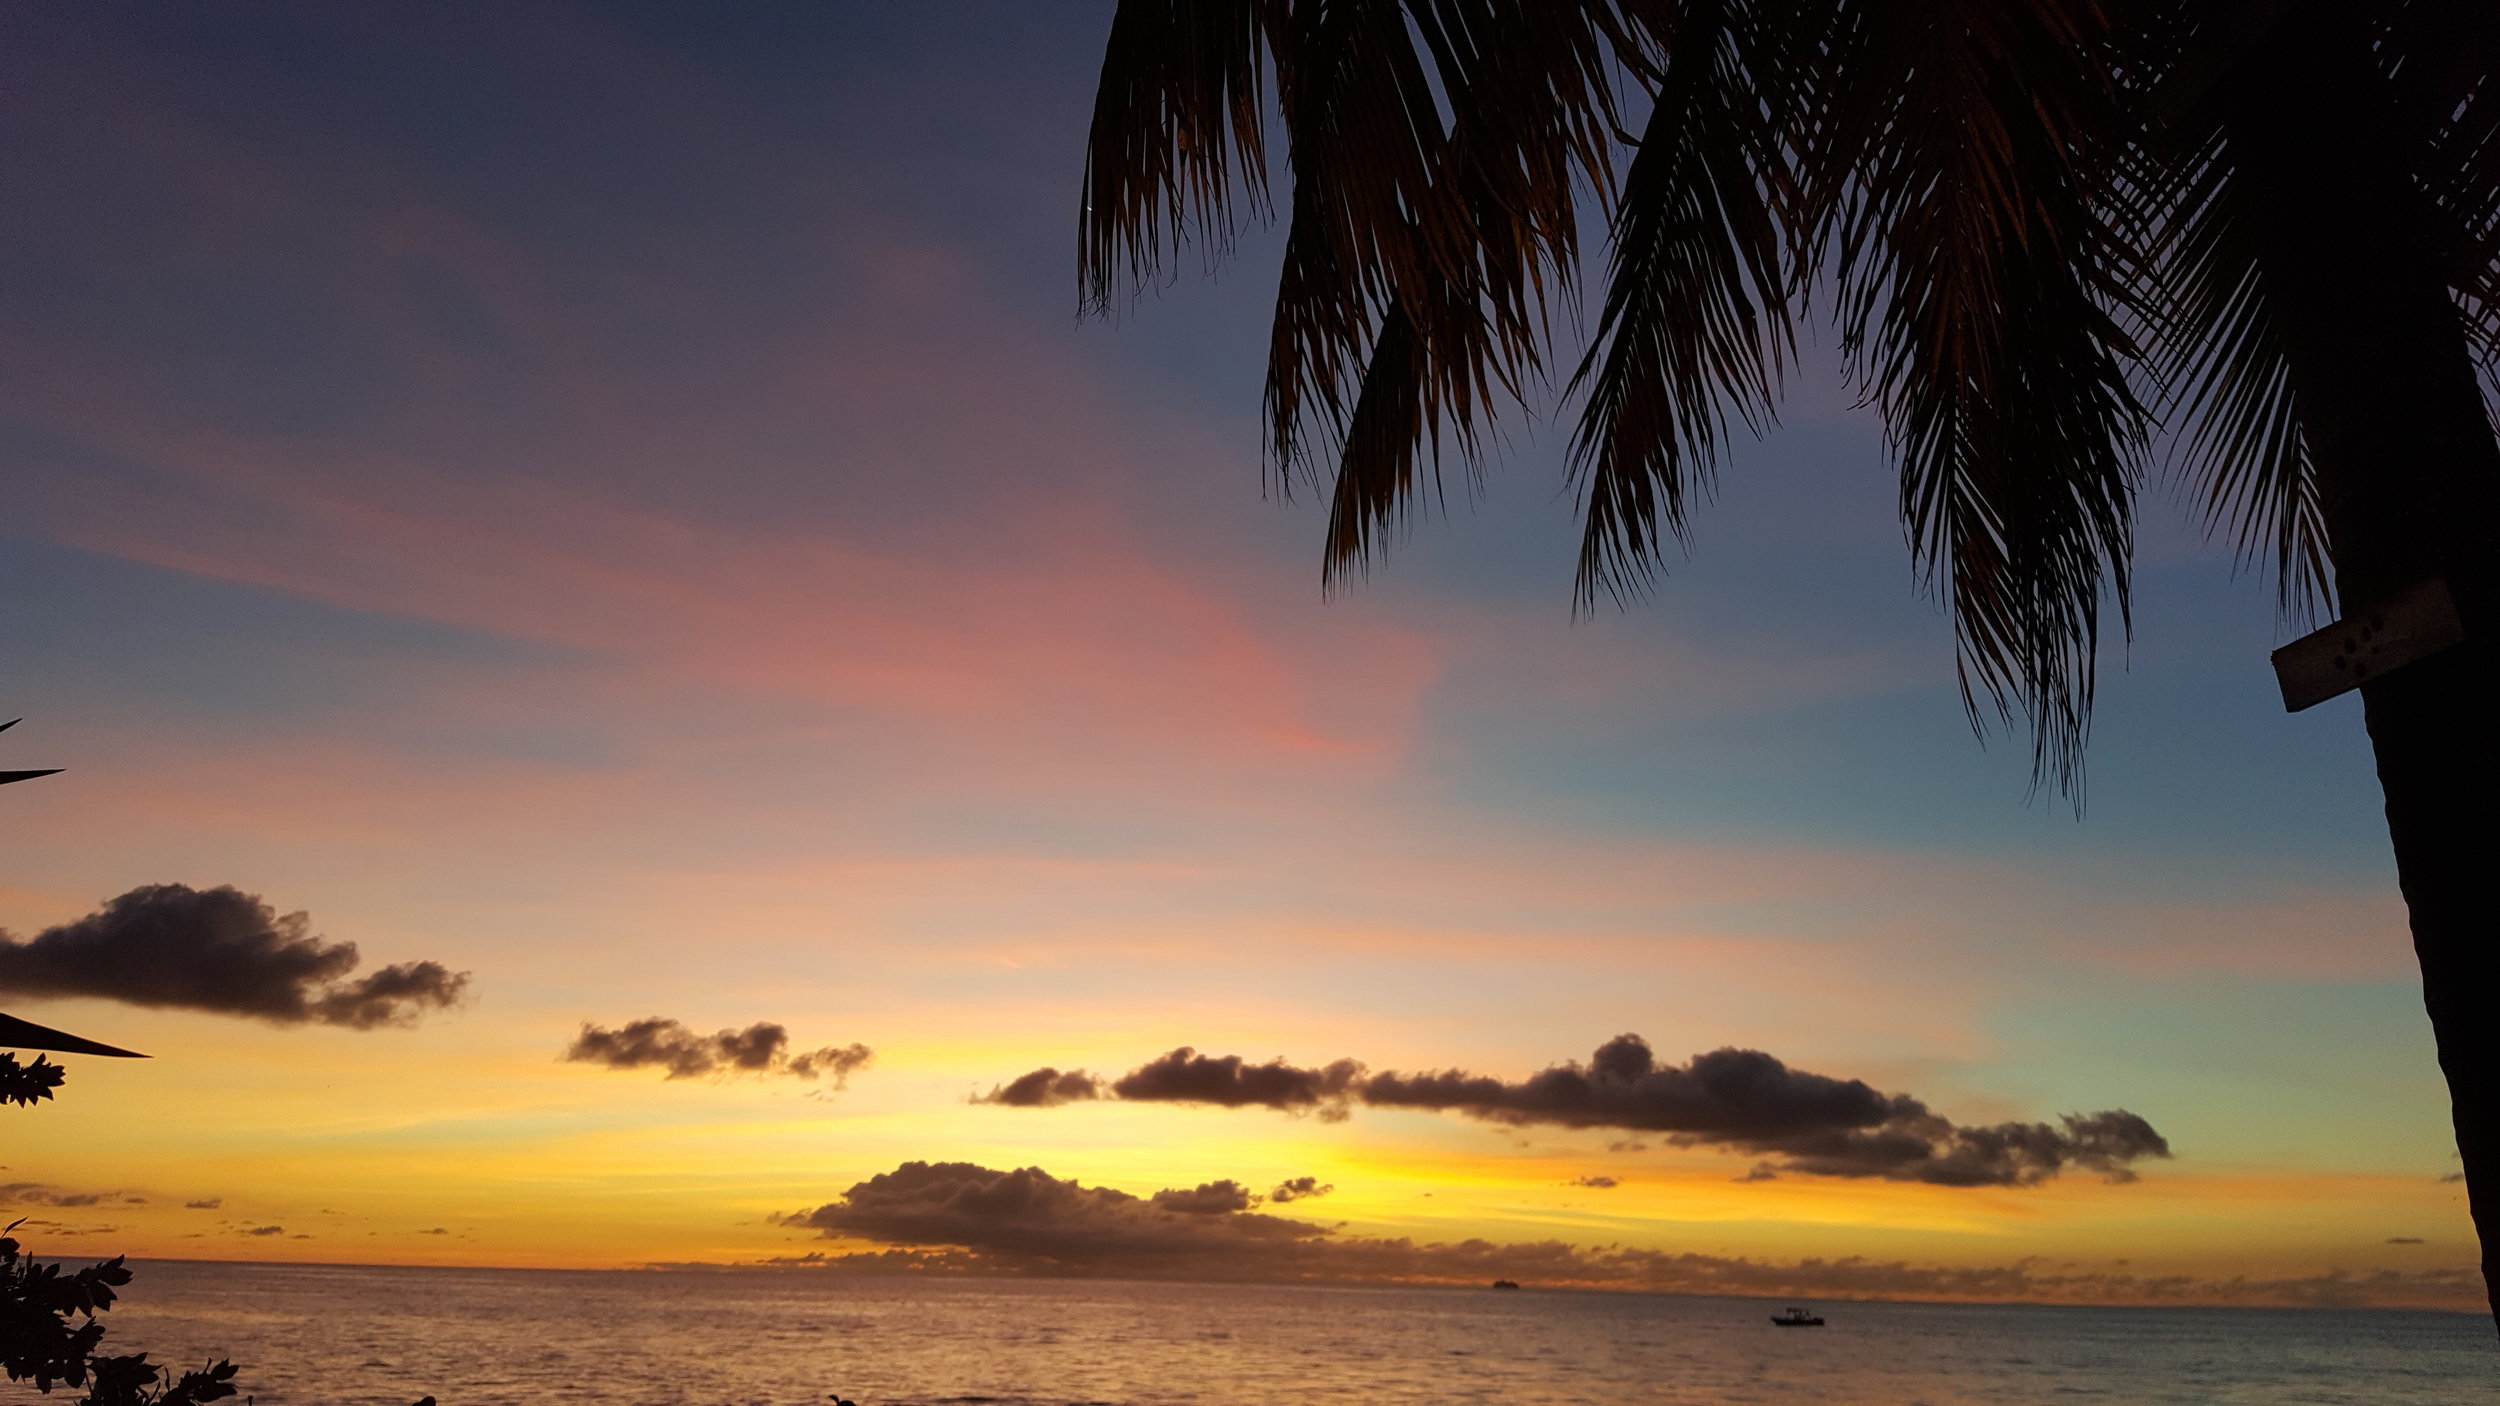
column 1798, row 1318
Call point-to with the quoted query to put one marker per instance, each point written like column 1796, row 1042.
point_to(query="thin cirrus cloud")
column 1040, row 619
column 967, row 1218
column 222, row 951
column 35, row 1193
column 762, row 1048
column 1738, row 1100
column 1036, row 603
column 1034, row 599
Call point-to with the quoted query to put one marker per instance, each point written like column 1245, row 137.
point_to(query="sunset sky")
column 618, row 501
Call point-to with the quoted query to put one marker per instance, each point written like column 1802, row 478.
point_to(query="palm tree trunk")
column 2409, row 474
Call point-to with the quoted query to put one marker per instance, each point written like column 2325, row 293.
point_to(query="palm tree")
column 2055, row 236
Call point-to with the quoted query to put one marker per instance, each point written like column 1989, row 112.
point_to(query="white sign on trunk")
column 2414, row 623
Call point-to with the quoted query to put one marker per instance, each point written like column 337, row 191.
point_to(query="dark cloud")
column 1597, row 1183
column 1206, row 1199
column 437, row 1230
column 1299, row 1189
column 2453, row 1176
column 1186, row 1076
column 1728, row 1094
column 206, row 1203
column 224, row 951
column 266, row 1230
column 2404, row 1239
column 959, row 1217
column 761, row 1048
column 1740, row 1100
column 1044, row 1088
column 835, row 1062
column 1031, row 1219
column 395, row 995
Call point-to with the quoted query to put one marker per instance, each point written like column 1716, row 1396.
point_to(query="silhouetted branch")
column 23, row 1084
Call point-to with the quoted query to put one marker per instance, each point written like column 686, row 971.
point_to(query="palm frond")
column 1383, row 440
column 2230, row 389
column 1437, row 148
column 2446, row 56
column 1968, row 163
column 1697, row 320
column 1319, row 337
column 1447, row 140
column 1364, row 138
column 1178, row 129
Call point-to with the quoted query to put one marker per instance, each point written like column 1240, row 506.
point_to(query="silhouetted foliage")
column 49, row 1334
column 37, row 1305
column 2028, row 221
column 22, row 1084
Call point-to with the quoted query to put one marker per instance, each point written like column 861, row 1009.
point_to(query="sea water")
column 339, row 1334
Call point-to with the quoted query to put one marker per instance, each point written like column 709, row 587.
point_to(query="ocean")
column 387, row 1336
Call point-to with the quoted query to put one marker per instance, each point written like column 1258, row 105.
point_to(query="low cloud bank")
column 223, row 951
column 1029, row 1219
column 761, row 1048
column 962, row 1217
column 1739, row 1100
